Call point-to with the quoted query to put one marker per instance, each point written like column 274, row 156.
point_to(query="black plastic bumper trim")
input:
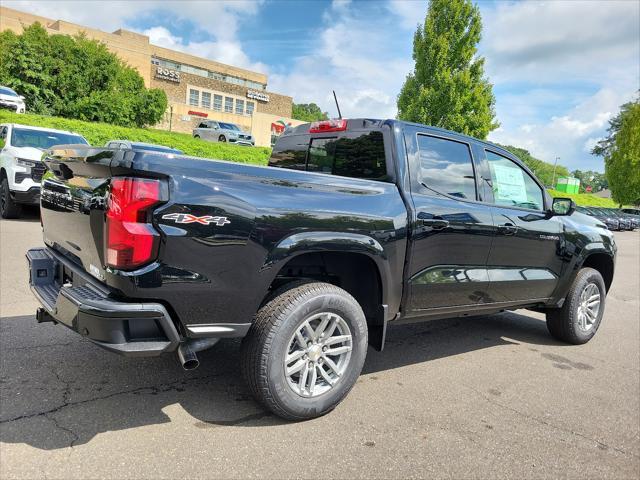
column 87, row 309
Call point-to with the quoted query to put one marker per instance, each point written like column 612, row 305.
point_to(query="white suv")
column 21, row 167
column 11, row 100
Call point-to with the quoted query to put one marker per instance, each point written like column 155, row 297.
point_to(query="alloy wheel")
column 588, row 307
column 318, row 354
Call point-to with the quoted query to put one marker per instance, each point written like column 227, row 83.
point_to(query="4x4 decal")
column 188, row 218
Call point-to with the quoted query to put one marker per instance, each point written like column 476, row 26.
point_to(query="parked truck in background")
column 356, row 225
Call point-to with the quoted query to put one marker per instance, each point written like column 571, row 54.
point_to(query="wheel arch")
column 355, row 262
column 602, row 262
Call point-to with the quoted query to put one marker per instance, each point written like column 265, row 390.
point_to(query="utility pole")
column 170, row 116
column 553, row 180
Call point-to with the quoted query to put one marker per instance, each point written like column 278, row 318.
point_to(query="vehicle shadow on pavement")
column 59, row 390
column 29, row 214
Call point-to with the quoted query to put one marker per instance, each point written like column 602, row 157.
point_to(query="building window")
column 206, row 100
column 250, row 106
column 194, row 97
column 228, row 105
column 239, row 106
column 217, row 103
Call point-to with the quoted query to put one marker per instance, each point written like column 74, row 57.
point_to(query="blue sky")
column 560, row 69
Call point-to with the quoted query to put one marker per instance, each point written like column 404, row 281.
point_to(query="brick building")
column 196, row 87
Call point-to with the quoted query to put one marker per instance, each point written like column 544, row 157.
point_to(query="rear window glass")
column 290, row 152
column 356, row 155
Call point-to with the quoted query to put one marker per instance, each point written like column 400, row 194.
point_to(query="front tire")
column 305, row 350
column 581, row 314
column 222, row 138
column 8, row 208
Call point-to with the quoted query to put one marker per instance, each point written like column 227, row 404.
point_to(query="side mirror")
column 21, row 97
column 562, row 206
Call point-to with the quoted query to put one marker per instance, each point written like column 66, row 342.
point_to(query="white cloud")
column 224, row 51
column 355, row 58
column 219, row 19
column 566, row 67
column 570, row 136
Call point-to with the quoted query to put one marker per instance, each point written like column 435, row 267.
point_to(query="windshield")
column 229, row 126
column 155, row 148
column 8, row 91
column 26, row 137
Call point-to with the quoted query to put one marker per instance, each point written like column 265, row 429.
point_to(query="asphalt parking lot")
column 489, row 397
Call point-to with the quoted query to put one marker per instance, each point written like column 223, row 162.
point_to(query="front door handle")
column 435, row 223
column 507, row 229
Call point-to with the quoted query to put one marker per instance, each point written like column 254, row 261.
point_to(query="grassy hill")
column 100, row 133
column 585, row 199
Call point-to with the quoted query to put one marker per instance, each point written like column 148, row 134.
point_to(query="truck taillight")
column 324, row 126
column 131, row 241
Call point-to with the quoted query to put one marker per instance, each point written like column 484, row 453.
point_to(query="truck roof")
column 373, row 123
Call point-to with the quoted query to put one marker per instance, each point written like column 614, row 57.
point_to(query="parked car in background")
column 634, row 219
column 611, row 222
column 10, row 100
column 142, row 146
column 633, row 211
column 21, row 167
column 625, row 222
column 214, row 131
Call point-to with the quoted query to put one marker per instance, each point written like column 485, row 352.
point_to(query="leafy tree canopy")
column 75, row 77
column 621, row 152
column 308, row 112
column 447, row 87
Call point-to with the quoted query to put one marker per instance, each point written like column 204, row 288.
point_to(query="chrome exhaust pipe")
column 187, row 351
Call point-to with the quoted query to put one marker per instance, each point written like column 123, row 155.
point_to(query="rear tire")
column 275, row 358
column 8, row 208
column 196, row 136
column 581, row 314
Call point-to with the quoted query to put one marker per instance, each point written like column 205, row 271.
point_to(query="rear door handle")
column 435, row 223
column 507, row 229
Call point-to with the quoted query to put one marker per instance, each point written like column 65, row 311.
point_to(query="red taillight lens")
column 131, row 241
column 328, row 126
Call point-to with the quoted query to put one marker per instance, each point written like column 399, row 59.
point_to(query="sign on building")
column 263, row 97
column 166, row 74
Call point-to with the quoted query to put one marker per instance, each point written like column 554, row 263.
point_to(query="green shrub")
column 75, row 77
column 98, row 134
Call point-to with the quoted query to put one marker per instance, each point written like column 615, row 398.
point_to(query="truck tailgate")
column 73, row 198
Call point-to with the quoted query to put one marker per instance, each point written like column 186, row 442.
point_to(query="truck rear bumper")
column 71, row 297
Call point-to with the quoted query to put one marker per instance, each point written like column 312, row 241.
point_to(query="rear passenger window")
column 512, row 186
column 446, row 166
column 361, row 156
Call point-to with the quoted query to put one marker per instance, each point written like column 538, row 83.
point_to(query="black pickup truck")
column 354, row 226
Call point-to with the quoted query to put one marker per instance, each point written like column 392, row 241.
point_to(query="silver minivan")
column 214, row 131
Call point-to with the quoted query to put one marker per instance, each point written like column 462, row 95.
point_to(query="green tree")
column 621, row 152
column 75, row 77
column 447, row 87
column 308, row 112
column 589, row 178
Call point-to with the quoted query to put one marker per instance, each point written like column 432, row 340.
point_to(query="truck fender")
column 317, row 242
